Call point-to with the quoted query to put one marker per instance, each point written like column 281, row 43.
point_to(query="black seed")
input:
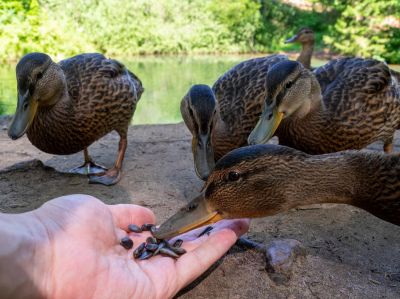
column 178, row 243
column 160, row 246
column 178, row 250
column 153, row 229
column 146, row 255
column 206, row 231
column 139, row 250
column 147, row 227
column 168, row 252
column 134, row 228
column 126, row 242
column 152, row 247
column 151, row 240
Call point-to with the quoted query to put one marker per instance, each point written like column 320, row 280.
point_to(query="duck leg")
column 88, row 167
column 113, row 175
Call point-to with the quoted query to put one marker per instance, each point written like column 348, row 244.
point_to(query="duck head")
column 248, row 182
column 303, row 36
column 40, row 83
column 198, row 109
column 292, row 91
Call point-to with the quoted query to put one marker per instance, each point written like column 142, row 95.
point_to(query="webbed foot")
column 108, row 178
column 88, row 168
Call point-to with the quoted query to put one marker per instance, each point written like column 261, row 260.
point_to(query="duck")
column 305, row 37
column 267, row 179
column 348, row 103
column 221, row 118
column 64, row 107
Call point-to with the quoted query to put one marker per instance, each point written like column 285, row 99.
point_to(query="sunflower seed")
column 147, row 227
column 139, row 250
column 178, row 243
column 168, row 252
column 126, row 242
column 134, row 228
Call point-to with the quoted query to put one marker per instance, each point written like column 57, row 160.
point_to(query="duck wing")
column 241, row 92
column 350, row 84
column 91, row 71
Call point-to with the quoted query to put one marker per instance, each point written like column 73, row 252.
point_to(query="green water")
column 166, row 80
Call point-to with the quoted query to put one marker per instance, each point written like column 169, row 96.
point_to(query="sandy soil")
column 349, row 253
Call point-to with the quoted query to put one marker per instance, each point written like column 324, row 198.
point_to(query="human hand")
column 84, row 258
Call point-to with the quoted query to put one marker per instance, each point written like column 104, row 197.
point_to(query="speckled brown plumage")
column 64, row 107
column 221, row 118
column 360, row 105
column 264, row 180
column 240, row 93
column 102, row 97
column 274, row 179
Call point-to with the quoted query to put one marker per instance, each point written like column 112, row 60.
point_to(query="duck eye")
column 39, row 76
column 233, row 176
column 288, row 84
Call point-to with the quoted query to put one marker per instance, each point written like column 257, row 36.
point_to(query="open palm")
column 85, row 259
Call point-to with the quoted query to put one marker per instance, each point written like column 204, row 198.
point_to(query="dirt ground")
column 349, row 253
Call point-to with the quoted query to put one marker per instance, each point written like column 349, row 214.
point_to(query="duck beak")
column 24, row 115
column 292, row 39
column 266, row 126
column 203, row 155
column 195, row 214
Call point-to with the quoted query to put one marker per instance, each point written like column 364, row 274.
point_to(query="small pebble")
column 147, row 227
column 134, row 228
column 126, row 242
column 178, row 243
column 139, row 250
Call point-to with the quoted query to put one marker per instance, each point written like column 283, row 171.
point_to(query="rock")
column 280, row 256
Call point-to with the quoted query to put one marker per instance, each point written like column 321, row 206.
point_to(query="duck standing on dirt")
column 64, row 107
column 220, row 119
column 305, row 37
column 264, row 180
column 348, row 103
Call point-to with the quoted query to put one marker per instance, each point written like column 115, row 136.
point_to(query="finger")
column 240, row 226
column 125, row 214
column 195, row 262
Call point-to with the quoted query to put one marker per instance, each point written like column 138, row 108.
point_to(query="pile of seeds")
column 152, row 246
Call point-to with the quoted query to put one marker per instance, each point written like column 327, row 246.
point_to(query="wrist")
column 24, row 256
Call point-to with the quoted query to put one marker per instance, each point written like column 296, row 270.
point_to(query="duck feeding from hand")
column 264, row 180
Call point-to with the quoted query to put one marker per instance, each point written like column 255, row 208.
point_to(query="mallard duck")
column 305, row 37
column 346, row 104
column 220, row 119
column 264, row 180
column 64, row 107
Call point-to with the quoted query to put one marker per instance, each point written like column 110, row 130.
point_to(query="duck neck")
column 370, row 181
column 307, row 50
column 221, row 137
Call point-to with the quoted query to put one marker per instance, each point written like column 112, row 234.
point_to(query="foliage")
column 364, row 28
column 129, row 27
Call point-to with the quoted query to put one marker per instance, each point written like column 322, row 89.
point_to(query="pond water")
column 166, row 80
